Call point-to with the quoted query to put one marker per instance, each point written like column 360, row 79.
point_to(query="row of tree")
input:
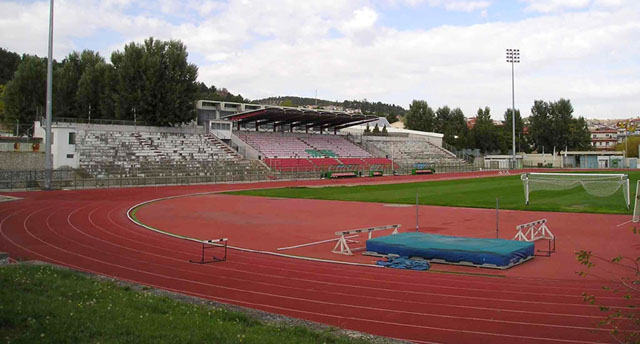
column 550, row 126
column 151, row 82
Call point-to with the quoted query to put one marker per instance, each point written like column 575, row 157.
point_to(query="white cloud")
column 466, row 6
column 288, row 47
column 547, row 6
column 449, row 5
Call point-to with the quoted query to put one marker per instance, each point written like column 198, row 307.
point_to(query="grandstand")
column 307, row 152
column 248, row 144
column 140, row 153
column 411, row 151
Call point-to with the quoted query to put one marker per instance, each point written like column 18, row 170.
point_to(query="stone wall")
column 21, row 160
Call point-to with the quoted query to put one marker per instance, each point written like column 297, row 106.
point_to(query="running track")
column 89, row 231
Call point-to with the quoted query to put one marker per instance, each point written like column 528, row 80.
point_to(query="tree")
column 630, row 146
column 287, row 102
column 155, row 79
column 96, row 91
column 458, row 127
column 1, row 102
column 484, row 133
column 391, row 117
column 376, row 130
column 384, row 130
column 540, row 126
column 420, row 116
column 623, row 323
column 443, row 116
column 579, row 135
column 507, row 126
column 25, row 94
column 9, row 62
column 452, row 124
column 65, row 86
column 551, row 125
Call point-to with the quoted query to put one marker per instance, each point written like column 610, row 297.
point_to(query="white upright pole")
column 48, row 160
column 513, row 56
column 417, row 227
column 526, row 190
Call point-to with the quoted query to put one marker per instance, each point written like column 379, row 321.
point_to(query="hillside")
column 363, row 105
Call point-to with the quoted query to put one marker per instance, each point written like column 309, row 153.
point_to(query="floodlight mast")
column 513, row 57
column 48, row 160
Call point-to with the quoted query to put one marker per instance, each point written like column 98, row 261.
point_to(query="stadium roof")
column 298, row 117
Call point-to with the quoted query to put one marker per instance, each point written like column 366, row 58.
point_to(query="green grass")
column 475, row 193
column 52, row 305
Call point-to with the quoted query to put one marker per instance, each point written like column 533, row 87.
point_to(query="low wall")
column 21, row 161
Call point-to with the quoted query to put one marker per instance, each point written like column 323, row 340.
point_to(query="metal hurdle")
column 210, row 244
column 536, row 230
column 342, row 247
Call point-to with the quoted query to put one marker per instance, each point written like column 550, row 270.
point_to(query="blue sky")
column 445, row 52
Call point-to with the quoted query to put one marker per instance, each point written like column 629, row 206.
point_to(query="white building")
column 604, row 139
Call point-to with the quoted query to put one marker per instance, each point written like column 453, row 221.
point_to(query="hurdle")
column 536, row 230
column 210, row 244
column 342, row 246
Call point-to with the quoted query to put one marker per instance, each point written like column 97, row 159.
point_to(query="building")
column 604, row 139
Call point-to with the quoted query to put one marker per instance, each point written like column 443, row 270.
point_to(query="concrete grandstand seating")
column 300, row 145
column 107, row 152
column 409, row 151
column 304, row 152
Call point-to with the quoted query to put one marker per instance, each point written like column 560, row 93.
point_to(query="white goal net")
column 596, row 184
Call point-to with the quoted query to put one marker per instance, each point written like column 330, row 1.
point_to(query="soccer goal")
column 596, row 184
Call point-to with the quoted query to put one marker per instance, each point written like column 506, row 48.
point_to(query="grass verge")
column 473, row 193
column 42, row 303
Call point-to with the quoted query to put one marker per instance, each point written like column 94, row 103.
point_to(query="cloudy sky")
column 445, row 52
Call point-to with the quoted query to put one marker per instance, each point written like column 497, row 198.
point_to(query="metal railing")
column 215, row 173
column 97, row 121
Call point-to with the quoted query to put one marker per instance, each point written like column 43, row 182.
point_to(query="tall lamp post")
column 48, row 159
column 513, row 57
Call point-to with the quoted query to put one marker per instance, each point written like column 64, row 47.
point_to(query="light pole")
column 48, row 159
column 513, row 57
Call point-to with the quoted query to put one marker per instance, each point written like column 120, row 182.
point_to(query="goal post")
column 596, row 184
column 636, row 205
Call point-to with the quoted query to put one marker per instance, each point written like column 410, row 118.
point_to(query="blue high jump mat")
column 486, row 253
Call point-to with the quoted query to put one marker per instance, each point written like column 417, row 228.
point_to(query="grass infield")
column 45, row 304
column 473, row 193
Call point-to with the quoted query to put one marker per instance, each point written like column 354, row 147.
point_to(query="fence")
column 185, row 175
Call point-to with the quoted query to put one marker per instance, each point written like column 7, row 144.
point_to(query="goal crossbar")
column 596, row 184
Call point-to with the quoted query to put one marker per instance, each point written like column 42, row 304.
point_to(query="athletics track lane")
column 94, row 235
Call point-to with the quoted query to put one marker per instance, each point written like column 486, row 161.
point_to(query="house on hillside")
column 604, row 139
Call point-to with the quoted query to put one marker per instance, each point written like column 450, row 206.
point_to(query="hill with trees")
column 390, row 111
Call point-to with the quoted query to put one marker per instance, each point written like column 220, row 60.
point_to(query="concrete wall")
column 21, row 161
column 544, row 159
column 245, row 149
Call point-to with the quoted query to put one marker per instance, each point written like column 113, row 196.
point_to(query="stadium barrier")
column 342, row 246
column 534, row 231
column 185, row 174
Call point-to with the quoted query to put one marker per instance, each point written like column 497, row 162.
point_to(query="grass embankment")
column 474, row 193
column 48, row 304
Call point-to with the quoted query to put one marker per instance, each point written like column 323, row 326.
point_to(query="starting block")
column 211, row 244
column 342, row 247
column 536, row 230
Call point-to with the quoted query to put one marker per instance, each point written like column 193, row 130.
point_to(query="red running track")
column 88, row 230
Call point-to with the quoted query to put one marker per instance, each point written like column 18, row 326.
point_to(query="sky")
column 445, row 52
